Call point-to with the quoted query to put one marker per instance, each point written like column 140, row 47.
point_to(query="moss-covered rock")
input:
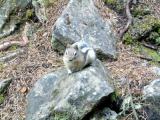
column 117, row 5
column 154, row 38
column 128, row 38
column 140, row 10
column 151, row 54
column 142, row 28
column 145, row 27
column 12, row 14
column 59, row 96
column 29, row 13
column 1, row 98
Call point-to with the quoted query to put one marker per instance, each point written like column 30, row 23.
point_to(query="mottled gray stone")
column 152, row 90
column 81, row 21
column 39, row 6
column 11, row 12
column 156, row 70
column 151, row 94
column 4, row 84
column 106, row 114
column 61, row 96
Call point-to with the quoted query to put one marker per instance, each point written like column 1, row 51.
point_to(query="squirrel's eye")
column 75, row 53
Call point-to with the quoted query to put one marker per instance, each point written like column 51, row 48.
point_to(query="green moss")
column 158, row 30
column 115, row 4
column 128, row 39
column 146, row 24
column 158, row 40
column 148, row 53
column 46, row 3
column 153, row 35
column 29, row 13
column 1, row 53
column 61, row 116
column 1, row 98
column 57, row 46
column 1, row 67
column 140, row 10
column 154, row 38
column 114, row 96
column 13, row 47
column 142, row 28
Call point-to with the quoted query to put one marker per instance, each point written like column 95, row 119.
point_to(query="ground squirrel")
column 77, row 56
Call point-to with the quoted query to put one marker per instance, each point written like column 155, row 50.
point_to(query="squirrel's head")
column 71, row 53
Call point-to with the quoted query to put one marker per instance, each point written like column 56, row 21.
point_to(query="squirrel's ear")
column 68, row 46
column 76, row 47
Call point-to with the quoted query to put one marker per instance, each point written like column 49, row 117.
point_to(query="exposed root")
column 22, row 43
column 12, row 55
column 149, row 46
column 129, row 17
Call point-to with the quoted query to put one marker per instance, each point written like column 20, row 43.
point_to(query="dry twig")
column 22, row 43
column 10, row 56
column 132, row 104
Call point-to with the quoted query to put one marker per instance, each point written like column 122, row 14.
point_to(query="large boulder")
column 11, row 13
column 59, row 96
column 81, row 21
column 152, row 96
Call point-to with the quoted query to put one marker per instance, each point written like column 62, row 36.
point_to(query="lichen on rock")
column 141, row 28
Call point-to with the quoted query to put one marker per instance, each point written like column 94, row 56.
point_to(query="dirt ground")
column 40, row 59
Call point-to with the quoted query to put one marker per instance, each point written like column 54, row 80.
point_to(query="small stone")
column 23, row 90
column 45, row 34
column 4, row 84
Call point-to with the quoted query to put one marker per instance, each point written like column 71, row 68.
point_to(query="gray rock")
column 106, row 114
column 71, row 97
column 11, row 12
column 152, row 96
column 152, row 90
column 81, row 21
column 4, row 84
column 39, row 7
column 156, row 70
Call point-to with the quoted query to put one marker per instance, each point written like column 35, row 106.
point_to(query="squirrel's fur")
column 77, row 56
